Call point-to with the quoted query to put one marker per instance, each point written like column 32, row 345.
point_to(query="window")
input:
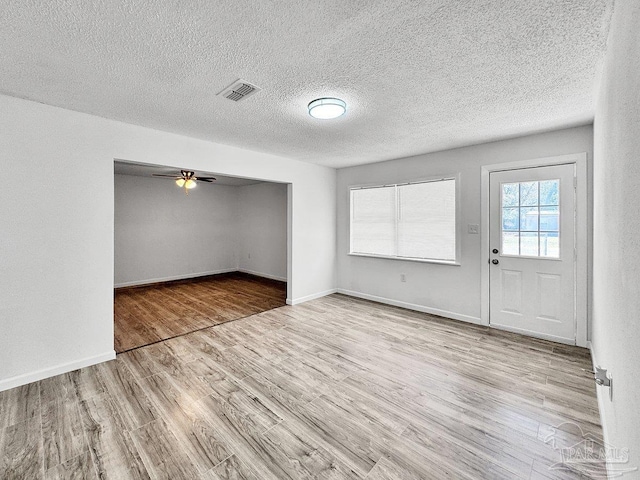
column 411, row 220
column 530, row 219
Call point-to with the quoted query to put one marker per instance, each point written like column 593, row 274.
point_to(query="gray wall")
column 616, row 239
column 262, row 230
column 452, row 291
column 163, row 234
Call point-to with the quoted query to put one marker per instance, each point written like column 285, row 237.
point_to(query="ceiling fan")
column 187, row 179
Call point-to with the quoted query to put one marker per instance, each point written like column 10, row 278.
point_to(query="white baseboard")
column 23, row 379
column 260, row 274
column 602, row 395
column 413, row 306
column 313, row 296
column 171, row 278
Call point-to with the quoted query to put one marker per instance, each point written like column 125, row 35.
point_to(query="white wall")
column 452, row 291
column 616, row 237
column 262, row 236
column 56, row 241
column 163, row 234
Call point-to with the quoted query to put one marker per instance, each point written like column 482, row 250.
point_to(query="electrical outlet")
column 403, row 277
column 473, row 228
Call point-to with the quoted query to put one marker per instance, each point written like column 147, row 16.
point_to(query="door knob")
column 495, row 261
column 495, row 250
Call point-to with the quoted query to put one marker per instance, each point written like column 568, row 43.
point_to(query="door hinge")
column 575, row 182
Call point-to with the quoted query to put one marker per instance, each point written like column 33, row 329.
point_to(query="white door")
column 532, row 252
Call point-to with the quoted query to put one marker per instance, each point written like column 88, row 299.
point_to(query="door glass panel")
column 530, row 214
column 529, row 244
column 529, row 219
column 549, row 192
column 528, row 194
column 549, row 244
column 511, row 243
column 549, row 218
column 510, row 194
column 510, row 219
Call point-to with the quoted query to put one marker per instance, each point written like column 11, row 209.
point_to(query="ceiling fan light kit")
column 187, row 179
column 188, row 183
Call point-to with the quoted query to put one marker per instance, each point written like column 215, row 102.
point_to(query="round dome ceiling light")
column 327, row 108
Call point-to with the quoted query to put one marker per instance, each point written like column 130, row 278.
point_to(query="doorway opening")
column 189, row 259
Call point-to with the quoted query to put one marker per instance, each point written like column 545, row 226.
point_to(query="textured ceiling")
column 145, row 170
column 418, row 76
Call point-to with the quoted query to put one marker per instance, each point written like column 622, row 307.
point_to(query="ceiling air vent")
column 238, row 90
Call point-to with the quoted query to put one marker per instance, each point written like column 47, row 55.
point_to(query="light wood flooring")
column 149, row 314
column 332, row 388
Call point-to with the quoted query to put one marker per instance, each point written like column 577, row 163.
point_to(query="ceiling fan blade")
column 205, row 179
column 168, row 176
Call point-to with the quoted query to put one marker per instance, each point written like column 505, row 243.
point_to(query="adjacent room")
column 192, row 255
column 338, row 239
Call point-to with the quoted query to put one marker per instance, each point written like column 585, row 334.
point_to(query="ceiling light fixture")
column 188, row 183
column 327, row 108
column 186, row 179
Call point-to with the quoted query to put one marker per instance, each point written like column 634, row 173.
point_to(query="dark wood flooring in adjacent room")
column 146, row 315
column 335, row 388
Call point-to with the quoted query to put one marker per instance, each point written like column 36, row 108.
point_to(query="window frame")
column 458, row 220
column 538, row 231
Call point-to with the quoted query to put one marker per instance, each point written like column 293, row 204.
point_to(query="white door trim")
column 580, row 161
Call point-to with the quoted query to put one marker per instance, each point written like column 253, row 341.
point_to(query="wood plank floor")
column 145, row 315
column 335, row 388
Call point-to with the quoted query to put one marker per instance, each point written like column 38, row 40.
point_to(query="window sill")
column 407, row 259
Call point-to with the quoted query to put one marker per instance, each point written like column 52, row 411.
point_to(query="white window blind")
column 373, row 221
column 416, row 220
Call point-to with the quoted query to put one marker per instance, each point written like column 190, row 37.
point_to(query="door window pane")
column 529, row 244
column 549, row 244
column 528, row 194
column 549, row 192
column 511, row 243
column 510, row 194
column 529, row 219
column 549, row 219
column 510, row 219
column 530, row 214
